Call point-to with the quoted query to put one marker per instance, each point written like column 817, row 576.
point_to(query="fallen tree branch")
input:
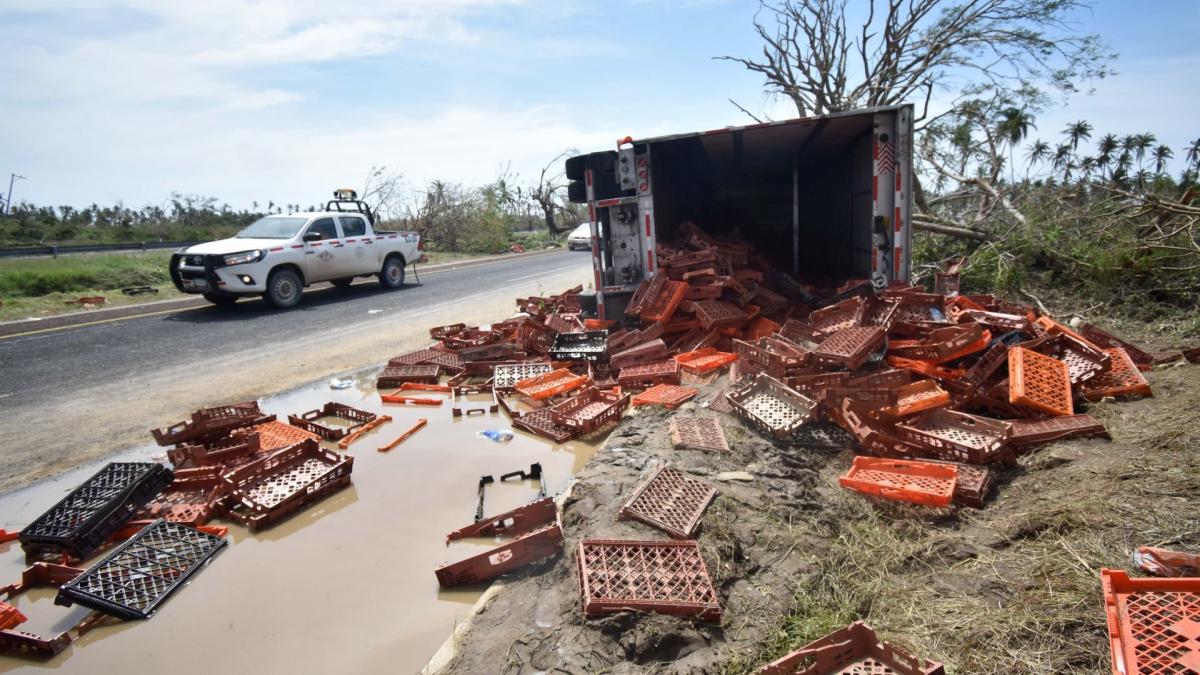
column 923, row 225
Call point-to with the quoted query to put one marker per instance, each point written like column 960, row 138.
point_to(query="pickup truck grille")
column 193, row 260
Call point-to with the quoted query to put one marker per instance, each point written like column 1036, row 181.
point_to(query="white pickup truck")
column 277, row 256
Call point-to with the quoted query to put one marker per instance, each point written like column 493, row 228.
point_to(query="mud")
column 1012, row 588
column 345, row 586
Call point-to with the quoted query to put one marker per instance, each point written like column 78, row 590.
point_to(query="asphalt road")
column 99, row 387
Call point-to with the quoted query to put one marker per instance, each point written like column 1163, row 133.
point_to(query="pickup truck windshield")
column 273, row 227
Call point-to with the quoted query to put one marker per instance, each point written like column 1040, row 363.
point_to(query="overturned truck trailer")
column 826, row 198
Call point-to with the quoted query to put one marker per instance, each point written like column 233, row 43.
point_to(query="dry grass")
column 1013, row 588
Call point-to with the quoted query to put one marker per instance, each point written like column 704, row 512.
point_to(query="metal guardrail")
column 55, row 251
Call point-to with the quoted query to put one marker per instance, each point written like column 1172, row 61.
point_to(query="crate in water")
column 671, row 501
column 134, row 579
column 668, row 577
column 1153, row 624
column 394, row 376
column 84, row 520
column 541, row 423
column 853, row 650
column 903, row 480
column 772, row 406
column 310, row 421
column 505, row 376
column 269, row 490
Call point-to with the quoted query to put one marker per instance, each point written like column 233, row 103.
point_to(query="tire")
column 392, row 274
column 283, row 289
column 343, row 283
column 221, row 299
column 577, row 192
column 576, row 166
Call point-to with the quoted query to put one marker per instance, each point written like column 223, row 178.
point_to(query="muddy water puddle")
column 346, row 585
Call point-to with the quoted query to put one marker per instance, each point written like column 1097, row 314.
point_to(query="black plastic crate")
column 85, row 519
column 587, row 346
column 138, row 576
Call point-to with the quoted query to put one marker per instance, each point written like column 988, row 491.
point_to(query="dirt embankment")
column 1013, row 588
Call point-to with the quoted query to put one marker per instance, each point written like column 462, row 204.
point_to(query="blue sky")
column 129, row 100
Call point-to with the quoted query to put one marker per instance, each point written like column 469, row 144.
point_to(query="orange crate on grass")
column 1153, row 624
column 550, row 384
column 1040, row 382
column 704, row 360
column 921, row 483
column 1121, row 379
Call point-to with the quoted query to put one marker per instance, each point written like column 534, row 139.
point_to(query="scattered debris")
column 524, row 550
column 495, row 435
column 698, row 433
column 671, row 501
column 405, row 436
column 268, row 490
column 139, row 290
column 308, row 421
column 1160, row 562
column 340, row 384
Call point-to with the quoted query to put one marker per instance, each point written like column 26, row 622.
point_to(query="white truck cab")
column 277, row 256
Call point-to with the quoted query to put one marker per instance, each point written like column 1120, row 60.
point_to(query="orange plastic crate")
column 704, row 360
column 922, row 483
column 918, row 397
column 10, row 617
column 1040, row 382
column 667, row 395
column 926, row 368
column 761, row 326
column 1122, row 378
column 550, row 384
column 1153, row 624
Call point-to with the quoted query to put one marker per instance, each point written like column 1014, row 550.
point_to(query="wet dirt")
column 344, row 586
column 132, row 404
column 1019, row 578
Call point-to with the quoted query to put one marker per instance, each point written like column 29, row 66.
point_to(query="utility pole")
column 8, row 198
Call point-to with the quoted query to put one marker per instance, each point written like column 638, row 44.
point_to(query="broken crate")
column 853, row 650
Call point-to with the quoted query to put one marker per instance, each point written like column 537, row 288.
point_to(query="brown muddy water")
column 345, row 586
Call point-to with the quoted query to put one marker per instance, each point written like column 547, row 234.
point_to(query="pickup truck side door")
column 322, row 257
column 357, row 256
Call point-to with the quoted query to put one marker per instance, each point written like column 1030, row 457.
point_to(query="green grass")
column 37, row 277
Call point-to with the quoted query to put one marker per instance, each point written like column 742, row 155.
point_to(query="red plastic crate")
column 903, row 480
column 590, row 409
column 835, row 317
column 671, row 501
column 1027, row 433
column 1122, row 379
column 524, row 550
column 698, row 433
column 959, row 437
column 668, row 577
column 667, row 395
column 974, row 483
column 704, row 360
column 716, row 313
column 394, row 376
column 276, row 435
column 1106, row 341
column 649, row 374
column 541, row 423
column 272, row 488
column 1153, row 624
column 772, row 406
column 413, row 358
column 1039, row 381
column 849, row 347
column 853, row 650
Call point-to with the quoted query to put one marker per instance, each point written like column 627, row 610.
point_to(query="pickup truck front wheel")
column 283, row 289
column 392, row 274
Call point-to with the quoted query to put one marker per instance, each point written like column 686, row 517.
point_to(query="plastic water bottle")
column 496, row 435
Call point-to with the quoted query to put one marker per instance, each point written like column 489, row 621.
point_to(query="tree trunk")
column 548, row 212
column 956, row 232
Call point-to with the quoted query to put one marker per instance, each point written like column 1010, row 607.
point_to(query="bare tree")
column 908, row 50
column 383, row 191
column 547, row 192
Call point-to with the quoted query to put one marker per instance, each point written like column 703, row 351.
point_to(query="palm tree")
column 1105, row 149
column 1013, row 126
column 1161, row 154
column 1063, row 160
column 1193, row 154
column 1142, row 143
column 1078, row 131
column 1087, row 166
column 1036, row 154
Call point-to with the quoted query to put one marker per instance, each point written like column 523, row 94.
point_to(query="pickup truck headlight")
column 243, row 257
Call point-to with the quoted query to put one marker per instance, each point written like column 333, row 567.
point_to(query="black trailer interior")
column 799, row 192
